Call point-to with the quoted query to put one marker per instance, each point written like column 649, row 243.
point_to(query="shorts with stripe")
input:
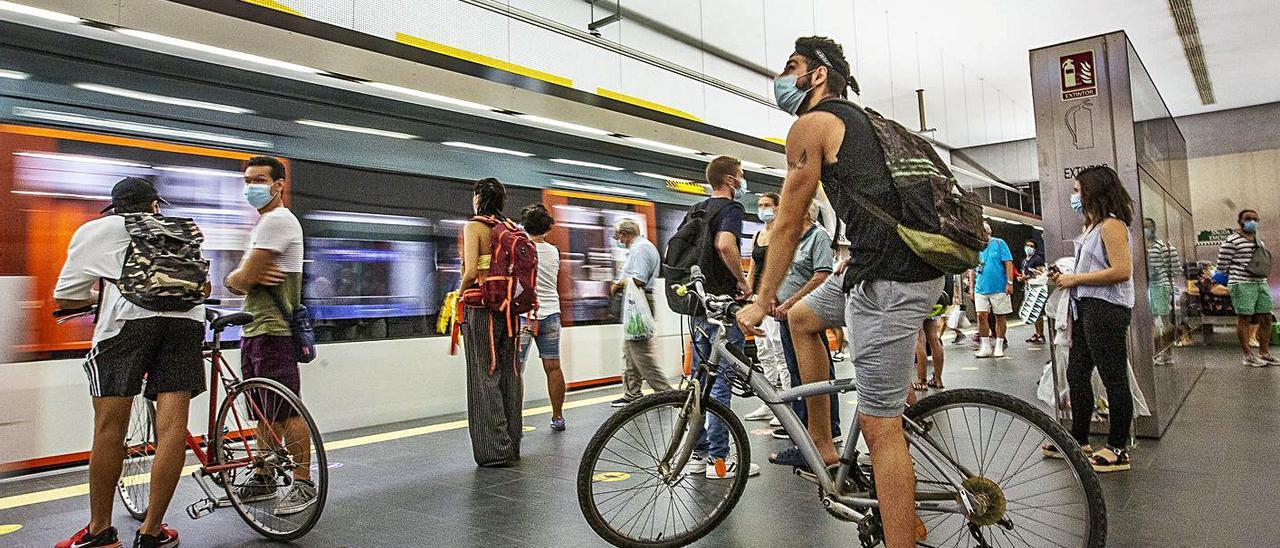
column 166, row 351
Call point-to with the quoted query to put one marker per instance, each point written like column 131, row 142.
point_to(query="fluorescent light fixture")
column 585, row 164
column 135, row 127
column 201, row 171
column 661, row 177
column 357, row 129
column 62, row 195
column 367, row 218
column 428, row 96
column 597, row 188
column 747, row 164
column 13, row 75
column 662, row 146
column 79, row 158
column 221, row 52
column 564, row 125
column 153, row 98
column 486, row 148
column 37, row 12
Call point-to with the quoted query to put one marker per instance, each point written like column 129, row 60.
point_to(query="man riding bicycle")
column 889, row 290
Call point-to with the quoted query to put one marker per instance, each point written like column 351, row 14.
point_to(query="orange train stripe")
column 122, row 141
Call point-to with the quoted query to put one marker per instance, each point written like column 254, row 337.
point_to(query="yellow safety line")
column 273, row 4
column 485, row 60
column 617, row 96
column 49, row 495
column 778, row 140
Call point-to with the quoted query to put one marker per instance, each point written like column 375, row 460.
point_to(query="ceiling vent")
column 1184, row 16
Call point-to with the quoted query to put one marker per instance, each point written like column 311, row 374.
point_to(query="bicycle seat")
column 222, row 322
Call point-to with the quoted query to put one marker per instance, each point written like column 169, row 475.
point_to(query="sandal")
column 1116, row 461
column 919, row 386
column 1050, row 450
column 935, row 383
column 794, row 458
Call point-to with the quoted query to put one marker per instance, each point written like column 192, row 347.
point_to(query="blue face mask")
column 740, row 191
column 258, row 195
column 787, row 96
column 619, row 244
column 1029, row 251
column 1077, row 204
column 1150, row 233
column 766, row 215
column 1251, row 226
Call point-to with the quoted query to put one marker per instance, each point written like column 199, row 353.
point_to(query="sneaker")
column 730, row 470
column 620, row 402
column 761, row 414
column 781, row 434
column 168, row 538
column 1253, row 361
column 697, row 464
column 300, row 497
column 838, row 356
column 998, row 351
column 1269, row 359
column 557, row 424
column 106, row 538
column 258, row 488
column 959, row 338
column 837, row 438
column 775, row 422
column 985, row 351
column 1253, row 343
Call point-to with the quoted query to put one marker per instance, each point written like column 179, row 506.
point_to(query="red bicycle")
column 262, row 447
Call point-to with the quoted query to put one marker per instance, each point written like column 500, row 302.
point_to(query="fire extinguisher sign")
column 1079, row 79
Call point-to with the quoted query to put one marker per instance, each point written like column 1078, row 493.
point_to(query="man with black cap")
column 130, row 341
column 889, row 291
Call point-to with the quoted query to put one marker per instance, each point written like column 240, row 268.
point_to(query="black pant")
column 1098, row 339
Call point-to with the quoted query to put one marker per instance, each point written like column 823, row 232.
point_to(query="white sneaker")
column 731, row 470
column 761, row 414
column 998, row 351
column 838, row 356
column 1269, row 359
column 1253, row 343
column 1253, row 361
column 985, row 350
column 697, row 464
column 774, row 422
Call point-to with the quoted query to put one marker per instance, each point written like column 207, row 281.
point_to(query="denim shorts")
column 548, row 338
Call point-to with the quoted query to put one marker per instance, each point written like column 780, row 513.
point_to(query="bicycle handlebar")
column 64, row 314
column 722, row 306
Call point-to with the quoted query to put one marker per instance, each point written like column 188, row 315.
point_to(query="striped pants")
column 495, row 391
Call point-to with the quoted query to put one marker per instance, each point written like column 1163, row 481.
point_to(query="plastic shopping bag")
column 957, row 319
column 637, row 319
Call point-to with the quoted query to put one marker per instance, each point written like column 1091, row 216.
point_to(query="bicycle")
column 973, row 488
column 254, row 461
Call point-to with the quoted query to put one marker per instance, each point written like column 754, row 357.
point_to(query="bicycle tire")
column 219, row 455
column 606, row 432
column 1083, row 472
column 134, row 487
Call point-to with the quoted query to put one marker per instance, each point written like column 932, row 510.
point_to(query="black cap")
column 133, row 191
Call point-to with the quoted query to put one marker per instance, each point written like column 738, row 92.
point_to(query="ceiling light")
column 121, row 125
column 201, row 171
column 151, row 97
column 597, row 188
column 747, row 164
column 37, row 12
column 80, row 159
column 428, row 96
column 13, row 75
column 585, row 164
column 564, row 125
column 232, row 54
column 357, row 129
column 486, row 148
column 661, row 177
column 62, row 195
column 662, row 146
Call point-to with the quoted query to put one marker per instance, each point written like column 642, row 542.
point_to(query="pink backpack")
column 510, row 288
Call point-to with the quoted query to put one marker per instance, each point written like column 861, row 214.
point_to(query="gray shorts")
column 828, row 301
column 887, row 315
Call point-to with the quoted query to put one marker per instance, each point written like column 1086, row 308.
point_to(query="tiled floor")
column 1211, row 481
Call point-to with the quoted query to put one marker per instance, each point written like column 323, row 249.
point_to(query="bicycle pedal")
column 200, row 508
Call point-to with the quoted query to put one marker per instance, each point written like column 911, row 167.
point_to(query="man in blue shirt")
column 993, row 294
column 639, row 356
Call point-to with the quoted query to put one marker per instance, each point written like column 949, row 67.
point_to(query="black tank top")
column 759, row 253
column 876, row 252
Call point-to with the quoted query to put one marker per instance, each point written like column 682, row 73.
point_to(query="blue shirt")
column 642, row 262
column 992, row 277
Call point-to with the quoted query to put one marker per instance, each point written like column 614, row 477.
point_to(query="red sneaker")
column 168, row 538
column 105, row 538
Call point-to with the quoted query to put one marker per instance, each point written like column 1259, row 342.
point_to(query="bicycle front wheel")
column 139, row 450
column 1026, row 497
column 276, row 475
column 624, row 494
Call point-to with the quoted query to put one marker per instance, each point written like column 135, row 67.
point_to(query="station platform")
column 1207, row 482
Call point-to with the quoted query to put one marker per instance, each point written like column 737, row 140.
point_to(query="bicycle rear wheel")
column 139, row 450
column 277, row 476
column 1029, row 499
column 625, row 497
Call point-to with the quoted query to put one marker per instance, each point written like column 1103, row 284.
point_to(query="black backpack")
column 694, row 244
column 164, row 270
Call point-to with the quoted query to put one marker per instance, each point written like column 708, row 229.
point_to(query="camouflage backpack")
column 164, row 270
